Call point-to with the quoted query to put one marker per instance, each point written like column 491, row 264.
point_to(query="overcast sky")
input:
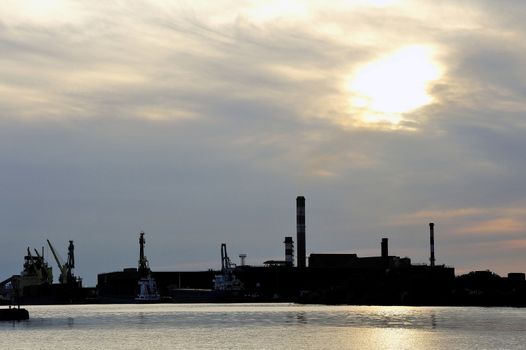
column 200, row 122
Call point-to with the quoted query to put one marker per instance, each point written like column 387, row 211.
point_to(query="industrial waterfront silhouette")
column 326, row 278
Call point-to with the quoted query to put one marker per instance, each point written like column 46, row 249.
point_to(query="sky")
column 199, row 122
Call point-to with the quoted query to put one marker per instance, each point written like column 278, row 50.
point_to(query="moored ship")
column 35, row 284
column 227, row 287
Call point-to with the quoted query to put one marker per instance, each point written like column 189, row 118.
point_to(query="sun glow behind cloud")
column 270, row 10
column 55, row 12
column 383, row 90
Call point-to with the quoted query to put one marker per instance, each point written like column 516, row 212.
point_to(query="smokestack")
column 289, row 251
column 432, row 243
column 385, row 248
column 300, row 230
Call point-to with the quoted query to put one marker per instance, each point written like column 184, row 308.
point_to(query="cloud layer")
column 200, row 123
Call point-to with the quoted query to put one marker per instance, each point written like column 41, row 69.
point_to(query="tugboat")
column 146, row 287
column 227, row 287
column 14, row 314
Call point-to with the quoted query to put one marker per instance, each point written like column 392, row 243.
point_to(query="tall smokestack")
column 432, row 243
column 300, row 230
column 385, row 248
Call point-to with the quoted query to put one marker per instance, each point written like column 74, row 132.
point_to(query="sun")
column 382, row 91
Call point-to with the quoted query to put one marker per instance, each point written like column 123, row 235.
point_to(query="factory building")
column 349, row 261
column 385, row 279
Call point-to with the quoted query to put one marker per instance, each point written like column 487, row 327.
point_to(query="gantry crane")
column 66, row 269
column 226, row 264
column 227, row 281
column 144, row 268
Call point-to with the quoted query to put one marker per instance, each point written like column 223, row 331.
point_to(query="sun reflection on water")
column 265, row 326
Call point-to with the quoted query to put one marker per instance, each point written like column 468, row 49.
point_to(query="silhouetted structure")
column 385, row 248
column 432, row 243
column 289, row 251
column 329, row 279
column 226, row 285
column 339, row 279
column 486, row 288
column 146, row 286
column 14, row 314
column 66, row 269
column 144, row 269
column 300, row 231
column 242, row 258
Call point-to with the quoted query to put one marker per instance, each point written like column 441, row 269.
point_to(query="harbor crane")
column 226, row 265
column 147, row 287
column 144, row 268
column 66, row 269
column 227, row 281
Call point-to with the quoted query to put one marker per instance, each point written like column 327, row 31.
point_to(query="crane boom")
column 63, row 267
column 58, row 259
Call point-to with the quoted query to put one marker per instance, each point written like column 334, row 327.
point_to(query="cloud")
column 440, row 215
column 496, row 220
column 495, row 226
column 200, row 125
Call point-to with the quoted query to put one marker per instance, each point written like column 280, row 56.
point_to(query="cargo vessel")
column 34, row 284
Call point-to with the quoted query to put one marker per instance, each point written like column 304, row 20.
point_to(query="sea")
column 264, row 326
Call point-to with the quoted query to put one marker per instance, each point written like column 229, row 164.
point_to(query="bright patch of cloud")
column 423, row 216
column 42, row 12
column 383, row 90
column 276, row 9
column 474, row 221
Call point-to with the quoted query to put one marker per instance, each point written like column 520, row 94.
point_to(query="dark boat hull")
column 13, row 314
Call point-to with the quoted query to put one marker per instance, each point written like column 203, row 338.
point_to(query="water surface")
column 265, row 326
